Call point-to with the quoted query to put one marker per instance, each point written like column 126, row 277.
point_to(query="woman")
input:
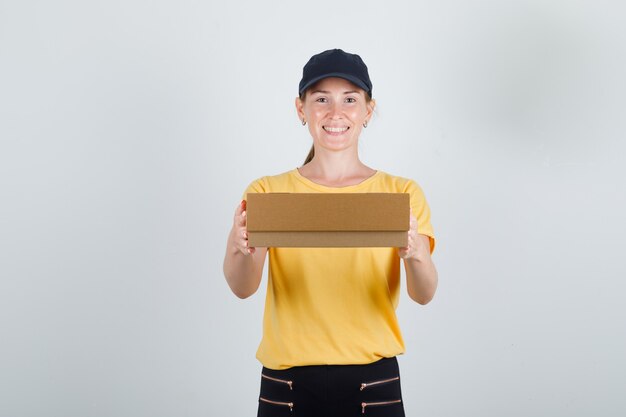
column 330, row 332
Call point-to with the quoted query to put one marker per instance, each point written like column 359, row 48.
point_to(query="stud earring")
column 365, row 124
column 303, row 122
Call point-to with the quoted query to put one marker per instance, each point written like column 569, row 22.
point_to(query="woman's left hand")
column 418, row 245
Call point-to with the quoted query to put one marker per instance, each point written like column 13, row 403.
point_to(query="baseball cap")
column 335, row 63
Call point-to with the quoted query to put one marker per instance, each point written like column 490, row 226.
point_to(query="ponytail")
column 310, row 156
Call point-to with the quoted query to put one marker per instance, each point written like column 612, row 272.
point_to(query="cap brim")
column 348, row 77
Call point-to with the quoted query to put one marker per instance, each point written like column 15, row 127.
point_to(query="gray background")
column 129, row 130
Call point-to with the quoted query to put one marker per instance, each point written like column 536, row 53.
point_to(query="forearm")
column 422, row 279
column 242, row 273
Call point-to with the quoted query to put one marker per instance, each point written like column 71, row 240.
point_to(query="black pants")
column 332, row 391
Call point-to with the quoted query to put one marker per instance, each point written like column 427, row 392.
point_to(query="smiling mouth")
column 335, row 129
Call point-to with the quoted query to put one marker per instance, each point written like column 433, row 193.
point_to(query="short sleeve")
column 256, row 186
column 421, row 211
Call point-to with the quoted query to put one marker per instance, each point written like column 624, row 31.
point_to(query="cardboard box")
column 327, row 220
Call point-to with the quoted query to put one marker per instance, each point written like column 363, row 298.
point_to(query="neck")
column 336, row 168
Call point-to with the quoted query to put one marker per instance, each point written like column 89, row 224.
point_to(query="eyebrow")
column 328, row 92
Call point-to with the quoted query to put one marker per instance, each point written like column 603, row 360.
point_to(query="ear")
column 300, row 108
column 371, row 105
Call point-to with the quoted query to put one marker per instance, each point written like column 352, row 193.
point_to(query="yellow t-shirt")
column 334, row 305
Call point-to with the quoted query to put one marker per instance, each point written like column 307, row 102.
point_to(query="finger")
column 248, row 248
column 240, row 207
column 242, row 246
column 240, row 214
column 245, row 243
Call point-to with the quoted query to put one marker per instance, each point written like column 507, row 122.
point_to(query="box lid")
column 268, row 212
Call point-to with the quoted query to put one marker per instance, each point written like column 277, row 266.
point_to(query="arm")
column 421, row 274
column 243, row 266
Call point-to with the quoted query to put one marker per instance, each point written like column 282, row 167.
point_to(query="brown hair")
column 311, row 154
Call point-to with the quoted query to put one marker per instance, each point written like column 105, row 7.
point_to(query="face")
column 335, row 110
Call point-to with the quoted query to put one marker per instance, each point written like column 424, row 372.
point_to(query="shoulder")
column 272, row 183
column 399, row 184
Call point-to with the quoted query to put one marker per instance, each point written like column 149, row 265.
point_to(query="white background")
column 129, row 130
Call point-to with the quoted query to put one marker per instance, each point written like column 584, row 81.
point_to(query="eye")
column 321, row 100
column 350, row 100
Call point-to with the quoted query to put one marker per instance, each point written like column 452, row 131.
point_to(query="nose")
column 335, row 109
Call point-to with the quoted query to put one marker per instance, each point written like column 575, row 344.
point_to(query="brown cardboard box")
column 327, row 220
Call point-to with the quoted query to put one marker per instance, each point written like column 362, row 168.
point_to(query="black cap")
column 335, row 63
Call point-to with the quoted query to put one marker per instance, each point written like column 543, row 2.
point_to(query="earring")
column 303, row 122
column 365, row 124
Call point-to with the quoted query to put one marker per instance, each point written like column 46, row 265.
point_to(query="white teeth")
column 335, row 129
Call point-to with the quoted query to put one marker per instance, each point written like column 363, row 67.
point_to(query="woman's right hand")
column 239, row 232
column 243, row 273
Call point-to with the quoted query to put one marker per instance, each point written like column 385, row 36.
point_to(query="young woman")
column 330, row 332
